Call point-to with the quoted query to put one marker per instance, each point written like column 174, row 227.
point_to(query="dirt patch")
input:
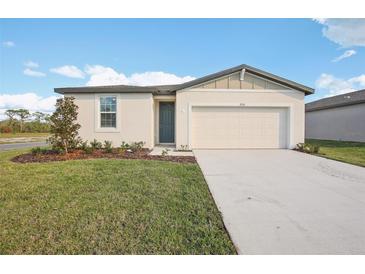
column 78, row 154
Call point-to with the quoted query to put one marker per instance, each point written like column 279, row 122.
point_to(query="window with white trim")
column 108, row 111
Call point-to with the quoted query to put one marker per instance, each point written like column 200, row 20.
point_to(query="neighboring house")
column 339, row 117
column 241, row 107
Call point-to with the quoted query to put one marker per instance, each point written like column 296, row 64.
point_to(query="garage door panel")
column 239, row 127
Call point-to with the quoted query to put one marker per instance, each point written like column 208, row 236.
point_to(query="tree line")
column 21, row 120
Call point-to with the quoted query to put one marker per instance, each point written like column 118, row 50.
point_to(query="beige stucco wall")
column 343, row 123
column 292, row 99
column 135, row 114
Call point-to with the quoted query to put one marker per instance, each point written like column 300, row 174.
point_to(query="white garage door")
column 239, row 127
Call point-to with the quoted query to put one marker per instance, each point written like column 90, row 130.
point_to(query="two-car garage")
column 239, row 127
column 240, row 108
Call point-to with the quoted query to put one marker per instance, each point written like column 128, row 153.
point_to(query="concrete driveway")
column 286, row 202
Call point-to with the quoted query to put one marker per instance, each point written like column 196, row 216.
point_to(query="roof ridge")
column 336, row 96
column 209, row 77
column 345, row 99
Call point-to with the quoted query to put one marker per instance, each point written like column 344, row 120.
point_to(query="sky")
column 38, row 55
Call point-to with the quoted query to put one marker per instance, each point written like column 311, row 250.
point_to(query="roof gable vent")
column 242, row 75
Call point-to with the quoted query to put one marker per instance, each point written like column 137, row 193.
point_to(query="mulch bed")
column 78, row 154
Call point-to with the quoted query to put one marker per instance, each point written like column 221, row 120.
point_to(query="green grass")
column 107, row 207
column 348, row 152
column 23, row 134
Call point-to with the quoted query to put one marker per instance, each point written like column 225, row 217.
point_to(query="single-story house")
column 340, row 117
column 240, row 107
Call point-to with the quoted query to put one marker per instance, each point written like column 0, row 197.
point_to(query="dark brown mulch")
column 78, row 154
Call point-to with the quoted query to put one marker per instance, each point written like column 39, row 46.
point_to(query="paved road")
column 286, row 202
column 4, row 147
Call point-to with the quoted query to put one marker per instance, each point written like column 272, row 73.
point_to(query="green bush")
column 36, row 150
column 165, row 152
column 307, row 148
column 39, row 150
column 108, row 146
column 124, row 145
column 58, row 150
column 96, row 144
column 137, row 146
column 88, row 150
column 83, row 145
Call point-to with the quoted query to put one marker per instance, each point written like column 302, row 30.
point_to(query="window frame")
column 108, row 112
column 98, row 112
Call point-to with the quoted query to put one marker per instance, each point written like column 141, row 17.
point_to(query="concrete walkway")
column 287, row 202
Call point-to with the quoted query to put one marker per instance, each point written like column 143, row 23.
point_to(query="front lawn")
column 348, row 152
column 106, row 206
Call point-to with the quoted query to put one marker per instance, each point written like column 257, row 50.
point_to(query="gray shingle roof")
column 171, row 89
column 352, row 98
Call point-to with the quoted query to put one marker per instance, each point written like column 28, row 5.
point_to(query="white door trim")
column 290, row 142
column 157, row 120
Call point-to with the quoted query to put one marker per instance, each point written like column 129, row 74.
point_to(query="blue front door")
column 167, row 122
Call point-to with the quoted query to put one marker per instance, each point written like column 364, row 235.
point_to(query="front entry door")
column 167, row 122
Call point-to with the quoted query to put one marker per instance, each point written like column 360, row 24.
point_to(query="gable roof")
column 352, row 98
column 171, row 89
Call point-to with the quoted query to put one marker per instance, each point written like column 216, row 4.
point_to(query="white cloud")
column 8, row 44
column 33, row 73
column 346, row 54
column 151, row 78
column 31, row 64
column 30, row 101
column 331, row 85
column 100, row 75
column 345, row 32
column 69, row 71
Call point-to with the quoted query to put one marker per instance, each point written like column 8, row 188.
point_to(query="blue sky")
column 39, row 55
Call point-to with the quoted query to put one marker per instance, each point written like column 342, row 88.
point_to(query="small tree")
column 38, row 116
column 64, row 127
column 11, row 113
column 23, row 115
column 39, row 123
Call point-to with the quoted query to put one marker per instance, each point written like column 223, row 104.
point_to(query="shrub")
column 96, row 144
column 36, row 150
column 64, row 127
column 307, row 148
column 88, row 150
column 83, row 145
column 165, row 152
column 108, row 146
column 184, row 148
column 124, row 145
column 137, row 146
column 39, row 150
